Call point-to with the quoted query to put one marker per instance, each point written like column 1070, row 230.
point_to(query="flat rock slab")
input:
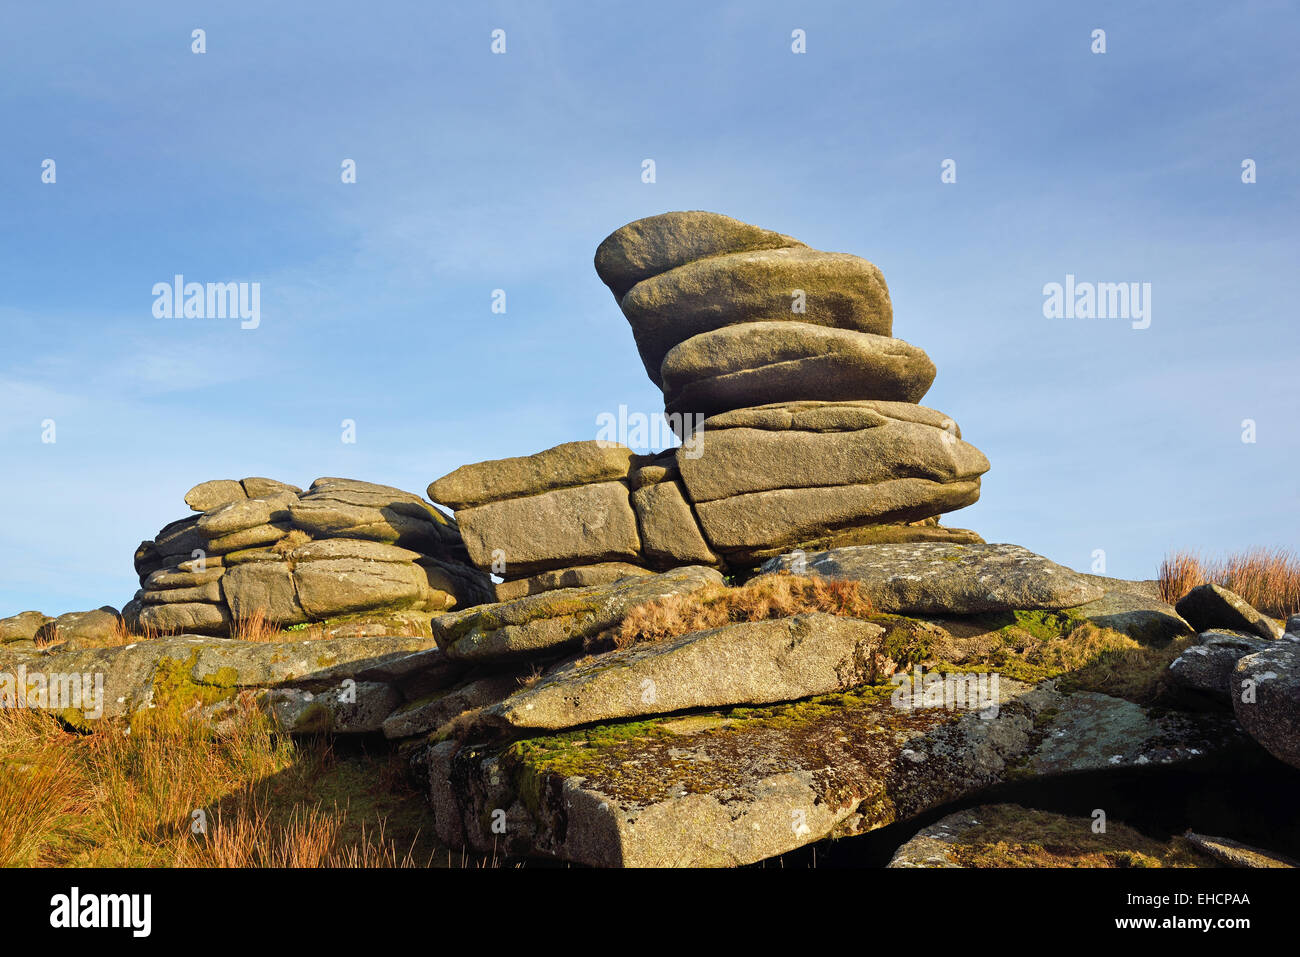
column 756, row 363
column 929, row 578
column 756, row 662
column 1007, row 835
column 564, row 466
column 1212, row 606
column 735, row 787
column 577, row 576
column 1268, row 707
column 1235, row 854
column 539, row 626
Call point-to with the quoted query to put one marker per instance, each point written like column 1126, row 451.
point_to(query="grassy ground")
column 176, row 794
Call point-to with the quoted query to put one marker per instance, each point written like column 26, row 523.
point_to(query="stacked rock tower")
column 798, row 409
column 258, row 546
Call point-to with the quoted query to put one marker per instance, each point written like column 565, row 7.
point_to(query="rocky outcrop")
column 733, row 787
column 797, row 408
column 265, row 548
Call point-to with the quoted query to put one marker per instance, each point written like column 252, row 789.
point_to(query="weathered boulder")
column 838, row 290
column 747, row 528
column 649, row 246
column 1266, row 698
column 548, row 624
column 209, row 495
column 22, row 626
column 758, row 662
column 1207, row 667
column 88, row 627
column 929, row 578
column 1212, row 606
column 789, row 475
column 178, row 618
column 759, row 363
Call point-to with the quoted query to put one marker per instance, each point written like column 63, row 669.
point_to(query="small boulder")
column 1212, row 606
column 23, row 626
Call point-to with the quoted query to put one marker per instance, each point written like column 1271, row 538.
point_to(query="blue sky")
column 478, row 171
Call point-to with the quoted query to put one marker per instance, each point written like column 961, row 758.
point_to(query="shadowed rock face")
column 1266, row 698
column 261, row 547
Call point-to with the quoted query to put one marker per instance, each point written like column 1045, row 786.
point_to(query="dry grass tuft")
column 128, row 797
column 776, row 595
column 255, row 627
column 1268, row 578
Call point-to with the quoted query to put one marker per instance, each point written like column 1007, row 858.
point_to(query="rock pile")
column 263, row 547
column 797, row 409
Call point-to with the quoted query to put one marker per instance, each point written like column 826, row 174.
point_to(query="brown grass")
column 777, row 595
column 126, row 797
column 1268, row 578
